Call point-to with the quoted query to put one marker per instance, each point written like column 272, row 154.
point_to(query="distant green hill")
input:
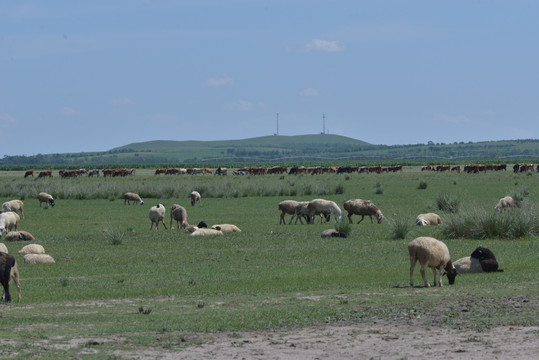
column 281, row 149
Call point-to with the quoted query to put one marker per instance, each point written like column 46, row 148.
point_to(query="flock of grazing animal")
column 430, row 252
column 33, row 253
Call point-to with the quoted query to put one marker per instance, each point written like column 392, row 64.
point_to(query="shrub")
column 422, row 185
column 448, row 204
column 343, row 226
column 400, row 227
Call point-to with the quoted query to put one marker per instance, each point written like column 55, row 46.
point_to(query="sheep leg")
column 371, row 219
column 360, row 220
column 349, row 218
column 151, row 226
column 163, row 223
column 439, row 276
column 422, row 271
column 412, row 266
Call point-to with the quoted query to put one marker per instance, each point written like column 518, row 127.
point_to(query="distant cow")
column 45, row 173
column 29, row 173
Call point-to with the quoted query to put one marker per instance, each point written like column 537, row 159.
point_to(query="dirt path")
column 361, row 341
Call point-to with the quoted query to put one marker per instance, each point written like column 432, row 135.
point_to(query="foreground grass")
column 139, row 288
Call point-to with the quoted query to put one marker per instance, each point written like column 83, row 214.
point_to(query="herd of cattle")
column 295, row 170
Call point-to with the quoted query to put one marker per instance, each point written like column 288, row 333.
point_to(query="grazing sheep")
column 7, row 262
column 19, row 235
column 43, row 197
column 38, row 259
column 428, row 219
column 323, row 207
column 430, row 253
column 333, row 233
column 363, row 208
column 135, row 198
column 178, row 213
column 32, row 249
column 301, row 211
column 3, row 248
column 8, row 221
column 13, row 205
column 505, row 203
column 226, row 228
column 206, row 232
column 195, row 197
column 156, row 215
column 287, row 207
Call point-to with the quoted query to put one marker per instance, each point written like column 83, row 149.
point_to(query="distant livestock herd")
column 295, row 170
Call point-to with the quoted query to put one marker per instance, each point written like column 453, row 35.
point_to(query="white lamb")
column 430, row 253
column 506, row 202
column 178, row 213
column 325, row 208
column 8, row 221
column 43, row 197
column 156, row 215
column 19, row 235
column 428, row 219
column 13, row 205
column 363, row 208
column 195, row 197
column 32, row 249
column 226, row 228
column 206, row 232
column 130, row 196
column 38, row 259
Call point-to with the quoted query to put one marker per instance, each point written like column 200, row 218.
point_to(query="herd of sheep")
column 430, row 252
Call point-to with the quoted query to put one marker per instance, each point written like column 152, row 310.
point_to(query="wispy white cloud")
column 324, row 45
column 222, row 81
column 309, row 92
column 68, row 112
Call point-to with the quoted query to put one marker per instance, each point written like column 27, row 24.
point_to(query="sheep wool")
column 226, row 228
column 157, row 215
column 19, row 235
column 3, row 248
column 8, row 221
column 325, row 208
column 363, row 208
column 14, row 205
column 468, row 265
column 431, row 253
column 428, row 219
column 32, row 249
column 206, row 232
column 38, row 259
column 178, row 213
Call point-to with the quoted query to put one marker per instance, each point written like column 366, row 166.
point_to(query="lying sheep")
column 7, row 262
column 325, row 208
column 363, row 208
column 8, row 221
column 195, row 197
column 430, row 253
column 178, row 213
column 43, row 197
column 226, row 228
column 13, row 205
column 206, row 232
column 506, row 202
column 481, row 260
column 156, row 215
column 333, row 233
column 428, row 219
column 191, row 228
column 130, row 196
column 19, row 235
column 32, row 249
column 38, row 259
column 468, row 265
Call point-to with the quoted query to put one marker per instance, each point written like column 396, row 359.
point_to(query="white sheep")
column 206, row 232
column 430, row 253
column 14, row 205
column 428, row 219
column 468, row 265
column 195, row 197
column 130, row 196
column 325, row 208
column 191, row 228
column 38, row 259
column 8, row 221
column 32, row 249
column 3, row 248
column 333, row 233
column 287, row 207
column 178, row 213
column 226, row 228
column 156, row 215
column 363, row 208
column 43, row 197
column 301, row 211
column 19, row 235
column 506, row 202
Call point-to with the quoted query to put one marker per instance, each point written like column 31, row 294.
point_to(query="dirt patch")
column 360, row 341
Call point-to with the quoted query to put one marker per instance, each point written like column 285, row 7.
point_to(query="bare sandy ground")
column 360, row 341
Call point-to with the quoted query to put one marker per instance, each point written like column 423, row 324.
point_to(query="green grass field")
column 114, row 278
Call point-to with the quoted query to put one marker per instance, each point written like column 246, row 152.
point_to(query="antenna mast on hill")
column 323, row 123
column 277, row 133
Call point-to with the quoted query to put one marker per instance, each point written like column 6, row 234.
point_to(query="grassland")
column 130, row 288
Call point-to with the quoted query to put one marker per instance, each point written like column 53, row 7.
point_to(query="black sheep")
column 6, row 263
column 486, row 259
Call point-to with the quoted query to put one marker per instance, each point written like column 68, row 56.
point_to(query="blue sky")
column 90, row 76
